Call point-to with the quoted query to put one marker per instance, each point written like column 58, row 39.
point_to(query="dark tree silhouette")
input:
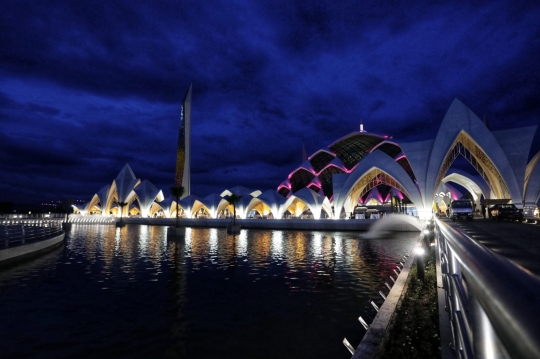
column 233, row 199
column 177, row 192
column 121, row 205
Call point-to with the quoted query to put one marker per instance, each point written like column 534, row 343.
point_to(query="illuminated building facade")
column 358, row 168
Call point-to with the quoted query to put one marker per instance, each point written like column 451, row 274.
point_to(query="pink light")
column 333, row 165
column 352, row 169
column 301, row 168
column 321, row 150
column 400, row 157
column 288, row 186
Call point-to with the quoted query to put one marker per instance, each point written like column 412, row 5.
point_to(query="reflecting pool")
column 130, row 293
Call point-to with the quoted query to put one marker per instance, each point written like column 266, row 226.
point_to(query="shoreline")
column 281, row 224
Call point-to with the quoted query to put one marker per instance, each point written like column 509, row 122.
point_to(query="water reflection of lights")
column 317, row 243
column 338, row 246
column 188, row 238
column 117, row 240
column 277, row 244
column 274, row 267
column 242, row 243
column 213, row 241
column 143, row 240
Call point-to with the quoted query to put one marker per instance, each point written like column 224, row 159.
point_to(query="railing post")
column 22, row 241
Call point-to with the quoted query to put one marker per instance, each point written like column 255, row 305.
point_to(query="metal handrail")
column 508, row 295
column 33, row 216
column 19, row 234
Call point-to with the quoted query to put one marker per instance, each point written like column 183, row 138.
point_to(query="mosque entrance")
column 465, row 146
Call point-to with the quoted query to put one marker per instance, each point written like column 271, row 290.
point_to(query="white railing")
column 19, row 234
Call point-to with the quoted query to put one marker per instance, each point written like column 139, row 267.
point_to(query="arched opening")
column 306, row 214
column 325, row 214
column 297, row 207
column 370, row 180
column 181, row 212
column 465, row 146
column 228, row 212
column 261, row 208
column 134, row 212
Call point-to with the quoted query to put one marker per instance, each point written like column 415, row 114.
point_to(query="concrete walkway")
column 22, row 252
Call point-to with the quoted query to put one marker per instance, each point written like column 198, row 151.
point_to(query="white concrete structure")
column 212, row 202
column 190, row 204
column 376, row 168
column 146, row 194
column 307, row 198
column 531, row 190
column 333, row 180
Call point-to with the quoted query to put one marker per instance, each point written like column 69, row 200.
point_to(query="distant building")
column 360, row 168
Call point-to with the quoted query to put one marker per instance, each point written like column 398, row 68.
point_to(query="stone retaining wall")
column 291, row 224
column 371, row 342
column 13, row 254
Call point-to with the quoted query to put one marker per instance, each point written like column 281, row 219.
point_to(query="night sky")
column 88, row 86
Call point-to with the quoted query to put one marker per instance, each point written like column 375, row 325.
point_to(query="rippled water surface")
column 130, row 293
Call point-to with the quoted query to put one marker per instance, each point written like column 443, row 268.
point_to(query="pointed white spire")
column 361, row 126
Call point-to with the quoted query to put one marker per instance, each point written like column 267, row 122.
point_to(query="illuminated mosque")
column 358, row 170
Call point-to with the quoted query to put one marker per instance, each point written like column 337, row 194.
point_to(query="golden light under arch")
column 370, row 180
column 465, row 146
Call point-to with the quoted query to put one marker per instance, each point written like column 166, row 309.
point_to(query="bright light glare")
column 419, row 250
column 424, row 214
column 426, row 231
column 489, row 337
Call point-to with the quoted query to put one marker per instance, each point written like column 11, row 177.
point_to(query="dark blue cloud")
column 86, row 87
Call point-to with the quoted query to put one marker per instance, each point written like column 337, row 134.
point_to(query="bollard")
column 420, row 262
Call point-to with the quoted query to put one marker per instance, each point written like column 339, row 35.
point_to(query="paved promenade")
column 519, row 242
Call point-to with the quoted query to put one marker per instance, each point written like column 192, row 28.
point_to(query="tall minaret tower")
column 361, row 126
column 183, row 153
column 304, row 154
